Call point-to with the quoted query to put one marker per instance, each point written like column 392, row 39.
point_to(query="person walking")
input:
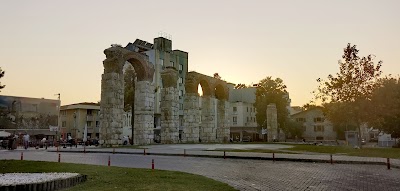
column 26, row 141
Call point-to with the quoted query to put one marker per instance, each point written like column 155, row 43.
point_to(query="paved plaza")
column 239, row 173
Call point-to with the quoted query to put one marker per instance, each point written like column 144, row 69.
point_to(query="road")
column 243, row 174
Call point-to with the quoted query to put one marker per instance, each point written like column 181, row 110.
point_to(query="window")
column 63, row 112
column 180, row 80
column 89, row 112
column 162, row 63
column 234, row 119
column 247, row 109
column 89, row 123
column 234, row 109
column 300, row 119
column 319, row 119
column 97, row 123
column 64, row 124
column 254, row 119
column 180, row 67
column 171, row 63
column 318, row 128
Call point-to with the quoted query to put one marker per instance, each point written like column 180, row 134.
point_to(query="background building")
column 74, row 117
column 315, row 126
column 243, row 121
column 36, row 116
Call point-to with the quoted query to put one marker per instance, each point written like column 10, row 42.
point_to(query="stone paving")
column 243, row 174
column 206, row 150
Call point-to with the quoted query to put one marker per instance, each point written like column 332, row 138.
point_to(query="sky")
column 51, row 47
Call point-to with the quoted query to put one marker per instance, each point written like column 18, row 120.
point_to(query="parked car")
column 246, row 139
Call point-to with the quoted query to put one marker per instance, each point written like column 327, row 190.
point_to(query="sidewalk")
column 320, row 158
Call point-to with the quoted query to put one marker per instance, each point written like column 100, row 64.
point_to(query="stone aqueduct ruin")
column 206, row 123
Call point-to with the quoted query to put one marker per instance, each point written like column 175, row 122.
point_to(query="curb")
column 242, row 157
column 48, row 185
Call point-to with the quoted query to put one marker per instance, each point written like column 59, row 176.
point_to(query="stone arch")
column 221, row 92
column 112, row 96
column 210, row 118
column 192, row 82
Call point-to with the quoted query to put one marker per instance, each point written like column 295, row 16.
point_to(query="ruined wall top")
column 169, row 77
column 211, row 86
column 116, row 57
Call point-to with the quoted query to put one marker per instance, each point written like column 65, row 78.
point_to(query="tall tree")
column 2, row 75
column 271, row 91
column 352, row 85
column 385, row 106
column 129, row 94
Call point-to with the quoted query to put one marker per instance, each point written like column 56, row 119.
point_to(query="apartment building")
column 315, row 126
column 75, row 117
column 243, row 122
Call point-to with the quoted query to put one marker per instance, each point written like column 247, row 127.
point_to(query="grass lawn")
column 119, row 178
column 364, row 152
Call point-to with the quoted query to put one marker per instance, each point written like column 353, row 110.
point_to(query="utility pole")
column 59, row 118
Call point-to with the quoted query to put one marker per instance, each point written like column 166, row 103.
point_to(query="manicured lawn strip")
column 363, row 152
column 118, row 178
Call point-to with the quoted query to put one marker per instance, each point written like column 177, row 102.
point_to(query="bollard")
column 144, row 151
column 388, row 163
column 113, row 150
column 331, row 159
column 152, row 164
column 109, row 160
column 224, row 155
column 184, row 152
column 273, row 157
column 59, row 157
column 22, row 155
column 46, row 146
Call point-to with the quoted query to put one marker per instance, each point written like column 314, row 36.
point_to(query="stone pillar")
column 223, row 129
column 208, row 120
column 144, row 113
column 272, row 122
column 111, row 107
column 191, row 118
column 169, row 107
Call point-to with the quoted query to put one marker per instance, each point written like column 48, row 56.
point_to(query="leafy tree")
column 293, row 129
column 129, row 93
column 271, row 91
column 351, row 87
column 385, row 106
column 240, row 86
column 1, row 75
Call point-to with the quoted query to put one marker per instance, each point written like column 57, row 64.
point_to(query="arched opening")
column 130, row 78
column 220, row 92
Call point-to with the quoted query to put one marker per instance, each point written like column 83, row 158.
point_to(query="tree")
column 271, row 91
column 384, row 106
column 1, row 75
column 352, row 87
column 129, row 94
column 240, row 86
column 293, row 129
